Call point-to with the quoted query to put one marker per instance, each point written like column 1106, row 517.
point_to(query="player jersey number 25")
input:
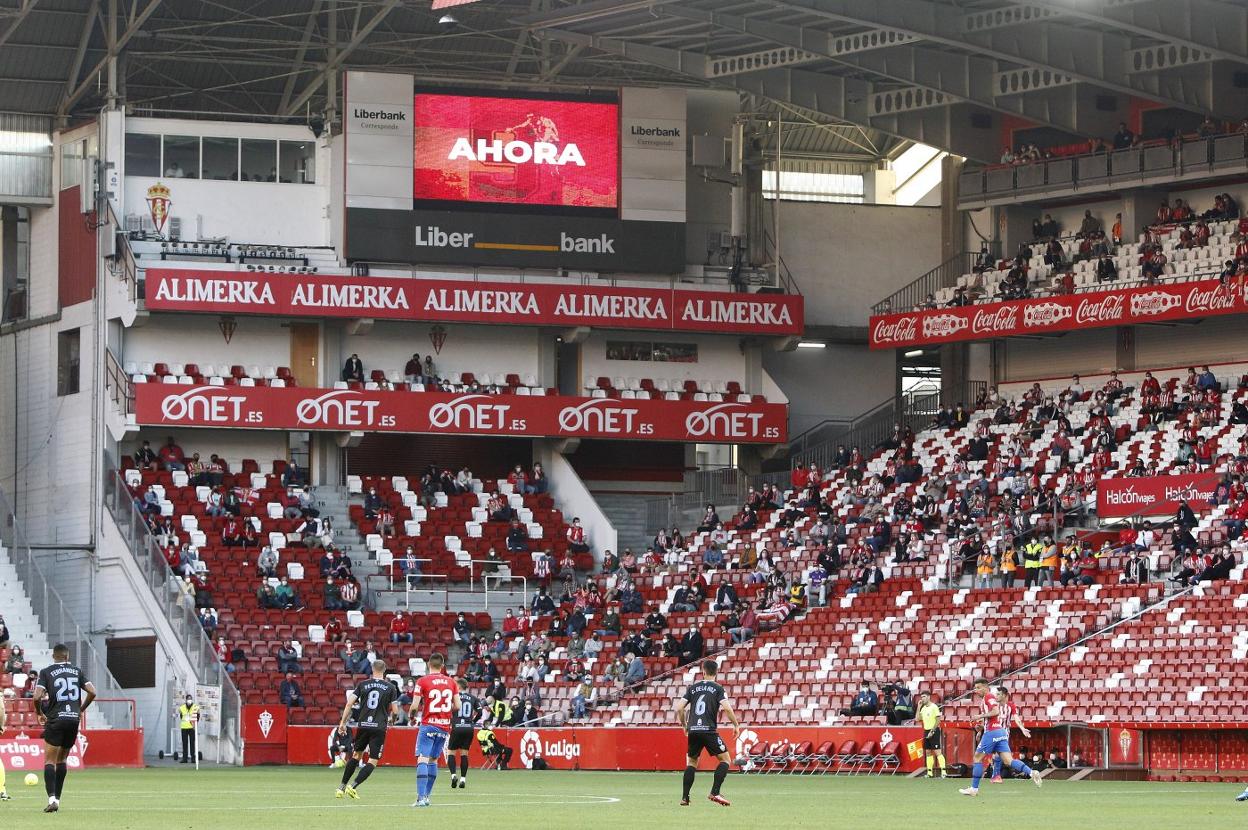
column 67, row 694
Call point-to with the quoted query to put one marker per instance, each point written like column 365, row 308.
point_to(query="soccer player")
column 62, row 695
column 996, row 739
column 698, row 713
column 436, row 698
column 4, row 794
column 1012, row 717
column 378, row 702
column 933, row 736
column 463, row 726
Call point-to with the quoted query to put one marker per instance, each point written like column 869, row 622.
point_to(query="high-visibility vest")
column 1031, row 556
column 187, row 715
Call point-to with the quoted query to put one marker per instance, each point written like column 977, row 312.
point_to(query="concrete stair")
column 24, row 627
column 627, row 513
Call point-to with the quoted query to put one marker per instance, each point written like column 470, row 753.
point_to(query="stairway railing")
column 943, row 275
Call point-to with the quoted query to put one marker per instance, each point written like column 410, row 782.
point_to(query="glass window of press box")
column 221, row 159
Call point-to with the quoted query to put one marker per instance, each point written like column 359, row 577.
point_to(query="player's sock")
column 721, row 772
column 690, row 773
column 1019, row 767
column 940, row 759
column 426, row 774
column 996, row 767
column 49, row 779
column 433, row 777
column 365, row 771
column 349, row 770
column 463, row 767
column 61, row 771
column 2, row 778
column 977, row 775
column 931, row 764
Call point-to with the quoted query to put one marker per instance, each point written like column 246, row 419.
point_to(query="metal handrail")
column 944, row 275
column 118, row 384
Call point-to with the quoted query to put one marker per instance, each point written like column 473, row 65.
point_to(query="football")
column 31, row 779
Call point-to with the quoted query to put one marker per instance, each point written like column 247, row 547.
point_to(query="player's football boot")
column 4, row 796
column 421, row 802
column 684, row 802
column 454, row 782
column 52, row 807
column 1242, row 796
column 996, row 779
column 944, row 774
column 351, row 793
column 338, row 793
column 971, row 791
column 1036, row 779
column 463, row 783
column 719, row 799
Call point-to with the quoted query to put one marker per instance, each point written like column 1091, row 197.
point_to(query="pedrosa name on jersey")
column 516, row 152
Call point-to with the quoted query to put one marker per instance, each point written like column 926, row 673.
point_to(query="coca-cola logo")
column 1045, row 314
column 598, row 416
column 475, row 412
column 340, row 408
column 1152, row 303
column 1004, row 319
column 1108, row 309
column 725, row 420
column 1204, row 300
column 901, row 330
column 943, row 325
column 211, row 404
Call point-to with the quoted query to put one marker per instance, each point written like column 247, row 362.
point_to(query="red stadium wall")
column 598, row 748
column 77, row 256
column 95, row 748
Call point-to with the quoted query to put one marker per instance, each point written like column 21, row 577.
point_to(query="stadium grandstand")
column 871, row 351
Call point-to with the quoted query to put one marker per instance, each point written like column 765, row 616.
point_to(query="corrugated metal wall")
column 25, row 159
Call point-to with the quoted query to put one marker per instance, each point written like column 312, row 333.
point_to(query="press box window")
column 298, row 162
column 259, row 160
column 221, row 159
column 67, row 357
column 182, row 156
column 142, row 155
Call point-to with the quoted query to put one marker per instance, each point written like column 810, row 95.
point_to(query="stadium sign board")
column 1153, row 495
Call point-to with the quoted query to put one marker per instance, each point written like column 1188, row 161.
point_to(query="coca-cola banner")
column 530, row 304
column 264, row 407
column 1128, row 306
column 1153, row 495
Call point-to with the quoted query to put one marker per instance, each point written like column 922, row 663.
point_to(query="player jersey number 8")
column 374, row 698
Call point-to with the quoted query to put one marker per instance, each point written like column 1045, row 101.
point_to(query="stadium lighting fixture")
column 447, row 20
column 811, row 344
column 914, row 353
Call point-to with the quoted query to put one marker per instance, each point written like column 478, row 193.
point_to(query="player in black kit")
column 698, row 712
column 377, row 700
column 463, row 727
column 62, row 695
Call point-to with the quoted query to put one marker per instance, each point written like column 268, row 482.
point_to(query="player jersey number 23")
column 438, row 693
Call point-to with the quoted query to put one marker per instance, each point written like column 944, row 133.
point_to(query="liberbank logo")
column 433, row 236
column 379, row 119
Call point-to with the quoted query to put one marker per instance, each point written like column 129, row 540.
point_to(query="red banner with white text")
column 1153, row 495
column 529, row 304
column 621, row 748
column 1096, row 309
column 264, row 407
column 22, row 752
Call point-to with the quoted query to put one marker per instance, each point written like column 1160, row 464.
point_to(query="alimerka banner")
column 1153, row 495
column 530, row 304
column 1096, row 309
column 264, row 407
column 621, row 748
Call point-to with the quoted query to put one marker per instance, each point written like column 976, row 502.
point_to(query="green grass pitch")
column 276, row 798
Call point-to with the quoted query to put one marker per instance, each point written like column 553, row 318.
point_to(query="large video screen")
column 516, row 151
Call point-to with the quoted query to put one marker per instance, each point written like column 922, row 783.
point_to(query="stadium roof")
column 943, row 72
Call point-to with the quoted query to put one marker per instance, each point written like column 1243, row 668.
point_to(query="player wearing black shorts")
column 698, row 712
column 463, row 727
column 62, row 694
column 375, row 704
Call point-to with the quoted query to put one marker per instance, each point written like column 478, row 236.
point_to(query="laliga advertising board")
column 521, row 151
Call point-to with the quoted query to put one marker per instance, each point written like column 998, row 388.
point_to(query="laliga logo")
column 1003, row 319
column 746, row 741
column 468, row 412
column 1105, row 310
column 897, row 332
column 203, row 403
column 530, row 747
column 1045, row 314
column 1216, row 298
column 598, row 415
column 721, row 422
column 265, row 719
column 1153, row 302
column 337, row 408
column 943, row 325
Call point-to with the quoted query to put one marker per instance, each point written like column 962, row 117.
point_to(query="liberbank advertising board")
column 587, row 182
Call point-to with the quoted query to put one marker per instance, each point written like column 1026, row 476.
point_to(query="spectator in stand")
column 1116, row 231
column 350, row 591
column 537, row 483
column 865, row 704
column 1106, row 269
column 146, row 458
column 413, row 371
column 692, row 646
column 1135, row 569
column 1090, row 226
column 288, row 658
column 710, row 520
column 576, row 537
column 171, row 455
column 353, row 369
column 461, row 630
column 543, row 604
column 333, row 629
column 1124, row 138
column 517, row 478
column 354, row 659
column 634, row 673
column 266, row 596
column 517, row 537
column 286, row 596
column 401, row 629
column 289, row 692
